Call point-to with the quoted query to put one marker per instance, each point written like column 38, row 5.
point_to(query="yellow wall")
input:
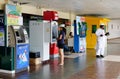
column 91, row 37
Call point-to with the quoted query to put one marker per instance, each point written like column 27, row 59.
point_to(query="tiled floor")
column 100, row 70
column 83, row 67
column 103, row 68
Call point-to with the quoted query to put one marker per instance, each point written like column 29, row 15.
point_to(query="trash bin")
column 35, row 58
column 34, row 54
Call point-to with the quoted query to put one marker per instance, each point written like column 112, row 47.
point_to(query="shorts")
column 60, row 46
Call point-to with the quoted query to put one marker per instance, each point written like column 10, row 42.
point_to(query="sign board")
column 13, row 15
column 1, row 35
column 22, row 56
column 78, row 22
column 14, row 20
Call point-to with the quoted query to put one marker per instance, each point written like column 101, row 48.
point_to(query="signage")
column 22, row 56
column 1, row 35
column 14, row 20
column 78, row 24
column 82, row 45
column 13, row 15
column 81, row 26
column 50, row 15
column 13, row 10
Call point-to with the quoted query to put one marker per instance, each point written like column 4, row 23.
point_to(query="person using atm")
column 60, row 43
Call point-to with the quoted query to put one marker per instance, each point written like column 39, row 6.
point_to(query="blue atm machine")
column 18, row 38
column 15, row 57
column 80, row 35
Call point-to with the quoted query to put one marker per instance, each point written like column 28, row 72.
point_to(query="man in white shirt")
column 101, row 41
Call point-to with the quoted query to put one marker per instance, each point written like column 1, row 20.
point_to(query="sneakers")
column 101, row 56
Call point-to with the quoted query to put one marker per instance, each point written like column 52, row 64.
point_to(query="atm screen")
column 17, row 33
column 54, row 32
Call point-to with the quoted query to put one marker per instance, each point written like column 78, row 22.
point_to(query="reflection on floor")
column 74, row 55
column 114, row 58
column 85, row 66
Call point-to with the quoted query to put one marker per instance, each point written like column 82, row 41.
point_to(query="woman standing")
column 60, row 42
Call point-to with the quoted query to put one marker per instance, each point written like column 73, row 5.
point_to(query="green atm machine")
column 14, row 54
column 15, row 57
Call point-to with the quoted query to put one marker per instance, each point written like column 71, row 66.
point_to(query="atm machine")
column 53, row 40
column 52, row 17
column 14, row 42
column 80, row 35
column 17, row 55
column 40, row 38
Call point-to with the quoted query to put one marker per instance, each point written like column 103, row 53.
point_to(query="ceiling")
column 103, row 8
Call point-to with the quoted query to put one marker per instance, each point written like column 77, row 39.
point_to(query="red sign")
column 50, row 15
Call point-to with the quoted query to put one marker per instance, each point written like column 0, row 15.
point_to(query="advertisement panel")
column 14, row 20
column 22, row 56
column 13, row 10
column 80, row 36
column 13, row 15
column 78, row 24
column 1, row 34
column 82, row 45
column 81, row 26
column 83, row 29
